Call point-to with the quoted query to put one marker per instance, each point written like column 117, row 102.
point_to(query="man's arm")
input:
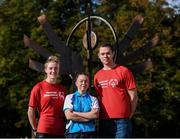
column 93, row 114
column 32, row 117
column 70, row 115
column 133, row 99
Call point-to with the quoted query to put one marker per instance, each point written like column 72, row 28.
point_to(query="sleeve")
column 129, row 80
column 95, row 103
column 95, row 83
column 68, row 103
column 34, row 97
column 63, row 91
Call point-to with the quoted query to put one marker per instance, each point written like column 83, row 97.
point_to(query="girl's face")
column 82, row 83
column 52, row 70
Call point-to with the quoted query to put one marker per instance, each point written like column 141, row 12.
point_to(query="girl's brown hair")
column 51, row 59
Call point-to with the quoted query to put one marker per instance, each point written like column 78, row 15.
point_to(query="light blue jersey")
column 80, row 103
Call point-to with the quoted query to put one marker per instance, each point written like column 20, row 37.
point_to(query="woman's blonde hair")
column 51, row 59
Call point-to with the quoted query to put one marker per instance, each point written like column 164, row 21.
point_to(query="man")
column 116, row 89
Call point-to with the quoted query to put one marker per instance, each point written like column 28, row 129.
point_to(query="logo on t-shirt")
column 50, row 94
column 113, row 83
column 103, row 84
column 61, row 95
column 54, row 94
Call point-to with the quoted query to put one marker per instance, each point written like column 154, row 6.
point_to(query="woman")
column 81, row 109
column 47, row 97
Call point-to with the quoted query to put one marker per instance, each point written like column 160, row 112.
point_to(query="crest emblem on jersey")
column 113, row 83
column 61, row 94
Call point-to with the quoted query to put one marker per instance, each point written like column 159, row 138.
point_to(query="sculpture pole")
column 89, row 47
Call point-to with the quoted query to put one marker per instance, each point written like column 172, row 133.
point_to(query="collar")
column 110, row 67
column 78, row 94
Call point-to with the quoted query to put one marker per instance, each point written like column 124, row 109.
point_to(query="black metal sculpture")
column 72, row 62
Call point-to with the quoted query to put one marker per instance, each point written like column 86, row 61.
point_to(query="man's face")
column 105, row 55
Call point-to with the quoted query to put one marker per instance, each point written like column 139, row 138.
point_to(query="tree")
column 158, row 88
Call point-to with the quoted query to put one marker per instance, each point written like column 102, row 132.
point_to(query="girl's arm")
column 32, row 117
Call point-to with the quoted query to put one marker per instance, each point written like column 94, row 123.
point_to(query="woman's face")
column 52, row 70
column 82, row 83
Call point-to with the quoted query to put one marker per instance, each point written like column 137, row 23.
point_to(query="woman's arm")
column 32, row 117
column 93, row 114
column 70, row 115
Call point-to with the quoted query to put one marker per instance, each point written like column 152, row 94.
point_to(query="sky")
column 175, row 3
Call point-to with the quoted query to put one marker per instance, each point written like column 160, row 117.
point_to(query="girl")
column 47, row 97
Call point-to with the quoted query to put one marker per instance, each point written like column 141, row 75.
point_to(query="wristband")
column 34, row 130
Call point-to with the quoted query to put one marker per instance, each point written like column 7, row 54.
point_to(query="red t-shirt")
column 111, row 86
column 49, row 99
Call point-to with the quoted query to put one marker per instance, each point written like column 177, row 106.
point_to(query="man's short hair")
column 107, row 45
